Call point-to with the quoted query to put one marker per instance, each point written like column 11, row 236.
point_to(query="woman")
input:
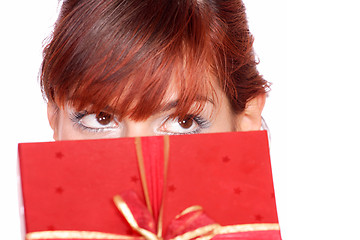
column 121, row 68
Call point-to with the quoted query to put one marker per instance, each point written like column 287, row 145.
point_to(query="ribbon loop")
column 125, row 210
column 189, row 224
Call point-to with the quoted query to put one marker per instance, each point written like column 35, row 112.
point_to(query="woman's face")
column 216, row 116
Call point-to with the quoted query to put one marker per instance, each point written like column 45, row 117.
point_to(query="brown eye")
column 186, row 123
column 104, row 118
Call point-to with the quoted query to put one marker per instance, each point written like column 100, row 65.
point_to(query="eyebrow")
column 175, row 103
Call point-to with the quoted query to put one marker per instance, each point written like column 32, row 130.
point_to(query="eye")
column 104, row 118
column 188, row 125
column 97, row 122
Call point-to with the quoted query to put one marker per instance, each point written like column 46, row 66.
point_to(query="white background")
column 308, row 49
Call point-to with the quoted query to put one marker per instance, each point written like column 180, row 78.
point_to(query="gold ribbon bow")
column 195, row 211
column 201, row 232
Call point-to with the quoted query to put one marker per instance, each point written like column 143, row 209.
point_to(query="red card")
column 70, row 185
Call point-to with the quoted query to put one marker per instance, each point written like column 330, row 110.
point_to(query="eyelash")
column 202, row 123
column 77, row 116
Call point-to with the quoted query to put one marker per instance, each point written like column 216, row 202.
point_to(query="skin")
column 217, row 114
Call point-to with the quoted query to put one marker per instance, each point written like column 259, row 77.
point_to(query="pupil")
column 186, row 123
column 104, row 118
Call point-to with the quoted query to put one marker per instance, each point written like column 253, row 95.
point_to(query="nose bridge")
column 137, row 129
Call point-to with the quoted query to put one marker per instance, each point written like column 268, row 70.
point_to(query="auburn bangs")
column 126, row 55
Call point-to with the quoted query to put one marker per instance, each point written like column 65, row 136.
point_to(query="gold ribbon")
column 75, row 235
column 140, row 159
column 202, row 233
column 99, row 235
column 166, row 163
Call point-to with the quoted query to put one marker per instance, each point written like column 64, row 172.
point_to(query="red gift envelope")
column 207, row 186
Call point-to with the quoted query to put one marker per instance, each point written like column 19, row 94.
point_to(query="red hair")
column 126, row 55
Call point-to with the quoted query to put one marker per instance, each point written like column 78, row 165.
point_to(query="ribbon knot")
column 189, row 224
